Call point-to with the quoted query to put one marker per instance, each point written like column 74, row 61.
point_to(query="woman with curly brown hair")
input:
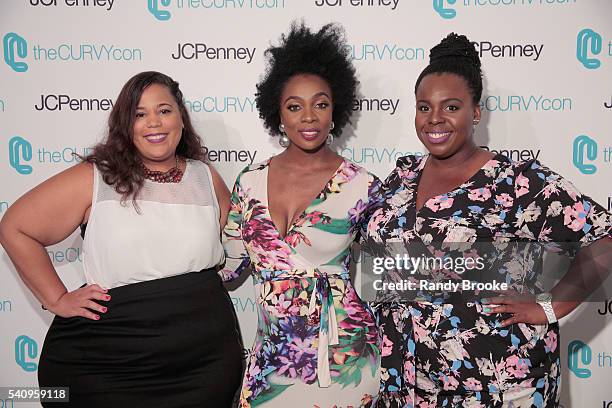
column 153, row 326
column 294, row 217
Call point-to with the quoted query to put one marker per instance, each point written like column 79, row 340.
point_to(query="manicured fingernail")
column 484, row 300
column 486, row 309
column 107, row 297
column 97, row 317
column 103, row 310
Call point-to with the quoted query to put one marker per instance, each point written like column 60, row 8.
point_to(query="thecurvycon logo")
column 161, row 9
column 447, row 9
column 589, row 45
column 16, row 52
column 26, row 350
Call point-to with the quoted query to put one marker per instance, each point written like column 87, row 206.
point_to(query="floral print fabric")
column 317, row 343
column 447, row 353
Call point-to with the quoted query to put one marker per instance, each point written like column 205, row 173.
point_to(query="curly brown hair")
column 116, row 157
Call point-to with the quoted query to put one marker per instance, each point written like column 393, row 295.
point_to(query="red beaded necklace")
column 174, row 175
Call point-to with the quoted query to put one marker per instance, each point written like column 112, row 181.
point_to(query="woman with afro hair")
column 464, row 348
column 294, row 218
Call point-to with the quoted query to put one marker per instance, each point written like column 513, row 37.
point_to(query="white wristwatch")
column 545, row 300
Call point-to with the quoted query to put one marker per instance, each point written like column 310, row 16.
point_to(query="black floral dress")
column 449, row 353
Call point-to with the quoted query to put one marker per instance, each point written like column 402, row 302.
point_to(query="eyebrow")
column 444, row 101
column 161, row 104
column 313, row 96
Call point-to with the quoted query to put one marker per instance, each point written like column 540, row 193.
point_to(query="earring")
column 475, row 122
column 283, row 141
column 330, row 136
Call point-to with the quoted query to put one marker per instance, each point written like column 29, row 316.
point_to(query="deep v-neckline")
column 417, row 181
column 301, row 213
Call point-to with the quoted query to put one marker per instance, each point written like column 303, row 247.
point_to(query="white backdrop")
column 548, row 80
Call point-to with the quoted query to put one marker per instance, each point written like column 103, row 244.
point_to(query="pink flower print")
column 448, row 382
column 479, row 194
column 550, row 341
column 505, row 200
column 472, row 384
column 387, row 347
column 522, row 185
column 314, row 217
column 517, row 367
column 282, row 306
column 439, row 203
column 575, row 216
column 295, row 237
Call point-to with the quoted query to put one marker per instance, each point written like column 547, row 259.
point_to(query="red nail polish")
column 103, row 310
column 107, row 297
column 97, row 317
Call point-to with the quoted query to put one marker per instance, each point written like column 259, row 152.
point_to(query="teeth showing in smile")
column 156, row 138
column 438, row 135
column 309, row 134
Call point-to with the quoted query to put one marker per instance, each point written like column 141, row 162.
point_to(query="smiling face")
column 306, row 111
column 445, row 114
column 157, row 128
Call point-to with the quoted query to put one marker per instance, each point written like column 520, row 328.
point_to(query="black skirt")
column 171, row 342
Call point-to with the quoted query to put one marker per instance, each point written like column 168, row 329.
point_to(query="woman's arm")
column 44, row 216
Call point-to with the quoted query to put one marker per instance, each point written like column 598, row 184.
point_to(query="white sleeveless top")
column 176, row 230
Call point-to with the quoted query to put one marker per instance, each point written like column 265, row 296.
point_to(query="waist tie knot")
column 328, row 326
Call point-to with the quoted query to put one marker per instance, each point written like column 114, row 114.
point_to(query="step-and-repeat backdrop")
column 547, row 95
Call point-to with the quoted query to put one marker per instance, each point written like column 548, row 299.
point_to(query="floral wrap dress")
column 317, row 344
column 449, row 353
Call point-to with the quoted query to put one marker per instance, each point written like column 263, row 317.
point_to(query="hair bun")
column 455, row 46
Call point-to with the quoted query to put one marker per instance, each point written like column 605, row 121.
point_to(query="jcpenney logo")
column 240, row 156
column 387, row 105
column 392, row 4
column 59, row 102
column 197, row 51
column 106, row 4
column 493, row 50
column 516, row 154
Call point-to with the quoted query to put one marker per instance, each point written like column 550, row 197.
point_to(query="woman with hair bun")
column 294, row 217
column 153, row 326
column 467, row 348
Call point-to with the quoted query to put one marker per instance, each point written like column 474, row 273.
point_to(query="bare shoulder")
column 53, row 209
